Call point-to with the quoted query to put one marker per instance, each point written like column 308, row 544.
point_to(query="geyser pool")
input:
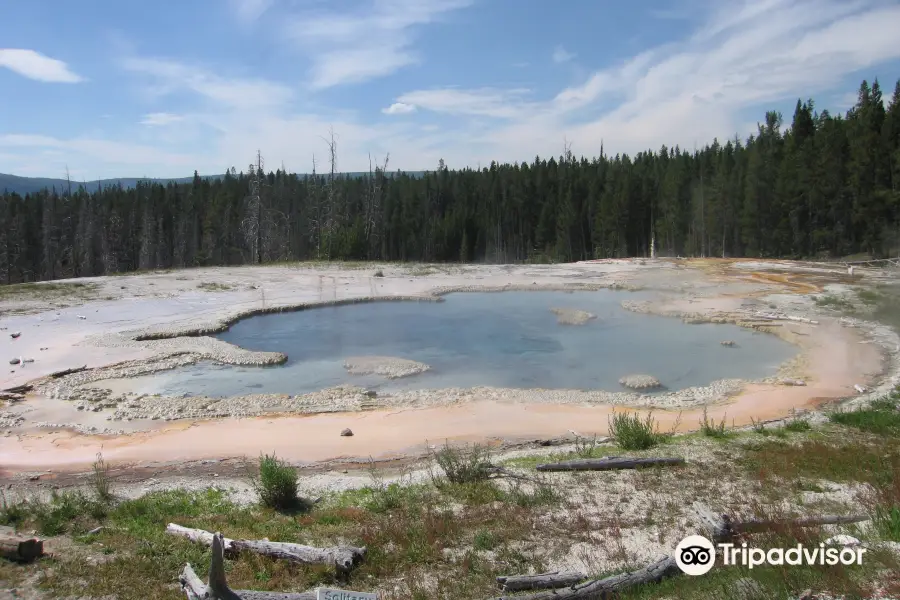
column 501, row 339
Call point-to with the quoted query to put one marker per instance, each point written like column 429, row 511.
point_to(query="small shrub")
column 63, row 513
column 379, row 273
column 276, row 485
column 710, row 428
column 11, row 514
column 100, row 479
column 466, row 464
column 633, row 433
column 759, row 427
column 584, row 447
column 797, row 425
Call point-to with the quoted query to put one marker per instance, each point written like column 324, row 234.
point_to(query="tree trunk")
column 609, row 463
column 541, row 581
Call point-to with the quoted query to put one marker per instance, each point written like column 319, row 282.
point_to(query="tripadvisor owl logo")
column 695, row 555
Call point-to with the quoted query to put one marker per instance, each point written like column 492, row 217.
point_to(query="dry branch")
column 17, row 548
column 609, row 463
column 218, row 588
column 19, row 389
column 540, row 581
column 344, row 558
column 723, row 527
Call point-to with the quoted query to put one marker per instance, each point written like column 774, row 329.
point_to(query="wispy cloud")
column 169, row 76
column 352, row 46
column 399, row 108
column 160, row 119
column 561, row 55
column 250, row 10
column 487, row 102
column 35, row 65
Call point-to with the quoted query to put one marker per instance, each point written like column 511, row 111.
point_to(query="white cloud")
column 501, row 104
column 160, row 119
column 694, row 89
column 35, row 65
column 240, row 93
column 375, row 40
column 399, row 108
column 561, row 55
column 250, row 10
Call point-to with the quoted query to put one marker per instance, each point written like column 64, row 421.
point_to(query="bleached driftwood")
column 719, row 528
column 344, row 558
column 198, row 536
column 540, row 581
column 218, row 589
column 20, row 549
column 723, row 527
column 656, row 571
column 609, row 463
column 65, row 372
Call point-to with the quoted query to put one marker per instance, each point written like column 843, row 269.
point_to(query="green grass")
column 709, row 428
column 879, row 417
column 834, row 302
column 46, row 291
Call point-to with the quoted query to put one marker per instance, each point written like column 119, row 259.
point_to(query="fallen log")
column 540, row 581
column 20, row 549
column 198, row 536
column 217, row 587
column 65, row 372
column 609, row 463
column 656, row 571
column 774, row 317
column 721, row 528
column 19, row 389
column 344, row 558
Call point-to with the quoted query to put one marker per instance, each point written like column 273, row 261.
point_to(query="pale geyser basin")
column 502, row 339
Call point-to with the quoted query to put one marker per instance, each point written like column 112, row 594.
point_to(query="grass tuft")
column 710, row 428
column 465, row 464
column 633, row 433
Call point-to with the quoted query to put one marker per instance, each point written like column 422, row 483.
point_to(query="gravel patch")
column 572, row 316
column 386, row 366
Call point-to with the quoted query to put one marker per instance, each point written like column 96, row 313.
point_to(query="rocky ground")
column 154, row 322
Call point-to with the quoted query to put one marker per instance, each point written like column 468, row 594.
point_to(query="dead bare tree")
column 373, row 204
column 252, row 224
column 330, row 212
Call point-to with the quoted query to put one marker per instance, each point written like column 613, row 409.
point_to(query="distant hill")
column 30, row 185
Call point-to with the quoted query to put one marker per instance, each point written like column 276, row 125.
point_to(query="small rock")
column 15, row 334
column 729, row 343
column 28, row 360
column 371, row 393
column 347, row 432
column 14, row 361
column 82, row 317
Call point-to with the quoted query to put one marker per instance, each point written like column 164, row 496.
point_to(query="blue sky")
column 122, row 89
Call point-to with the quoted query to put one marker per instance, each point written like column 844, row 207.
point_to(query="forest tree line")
column 826, row 186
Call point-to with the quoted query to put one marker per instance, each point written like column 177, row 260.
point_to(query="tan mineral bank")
column 139, row 315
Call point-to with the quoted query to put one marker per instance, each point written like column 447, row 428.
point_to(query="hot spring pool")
column 505, row 339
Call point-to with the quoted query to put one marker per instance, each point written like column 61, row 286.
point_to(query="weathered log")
column 656, row 571
column 218, row 587
column 20, row 549
column 775, row 317
column 721, row 528
column 65, row 372
column 198, row 536
column 608, row 463
column 344, row 558
column 19, row 389
column 541, row 581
